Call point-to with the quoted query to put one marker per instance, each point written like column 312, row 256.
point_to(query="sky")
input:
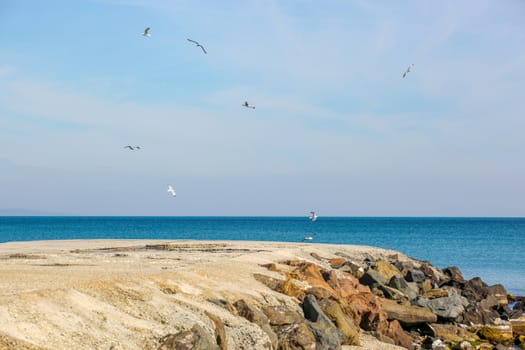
column 336, row 128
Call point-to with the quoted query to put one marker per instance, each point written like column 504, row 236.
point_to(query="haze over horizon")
column 336, row 128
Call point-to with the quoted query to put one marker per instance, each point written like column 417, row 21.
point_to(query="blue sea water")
column 491, row 248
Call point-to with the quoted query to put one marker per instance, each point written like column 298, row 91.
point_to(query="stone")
column 386, row 269
column 497, row 334
column 290, row 288
column 474, row 290
column 327, row 335
column 451, row 333
column 417, row 276
column 334, row 311
column 325, row 338
column 465, row 345
column 499, row 292
column 448, row 307
column 220, row 331
column 372, row 278
column 337, row 263
column 438, row 344
column 406, row 314
column 270, row 282
column 398, row 334
column 297, row 336
column 392, row 293
column 518, row 325
column 281, row 315
column 435, row 293
column 454, row 273
column 353, row 268
column 331, row 278
column 258, row 317
column 195, row 339
column 314, row 313
column 401, row 284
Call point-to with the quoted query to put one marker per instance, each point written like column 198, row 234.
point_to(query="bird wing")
column 202, row 47
column 404, row 74
column 193, row 41
column 146, row 31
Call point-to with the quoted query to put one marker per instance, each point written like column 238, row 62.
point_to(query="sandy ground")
column 127, row 294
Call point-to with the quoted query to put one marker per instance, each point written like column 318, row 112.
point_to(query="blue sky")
column 336, row 128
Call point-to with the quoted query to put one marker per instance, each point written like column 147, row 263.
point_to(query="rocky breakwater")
column 404, row 302
column 131, row 295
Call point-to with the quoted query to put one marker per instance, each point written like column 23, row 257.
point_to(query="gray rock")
column 401, row 284
column 417, row 276
column 448, row 307
column 372, row 278
column 327, row 335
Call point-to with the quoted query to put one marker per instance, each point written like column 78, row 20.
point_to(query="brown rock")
column 195, row 339
column 337, row 262
column 271, row 267
column 280, row 315
column 435, row 293
column 407, row 314
column 296, row 337
column 518, row 325
column 220, row 331
column 331, row 278
column 270, row 282
column 500, row 294
column 497, row 334
column 256, row 316
column 386, row 269
column 398, row 334
column 333, row 310
column 290, row 288
column 453, row 334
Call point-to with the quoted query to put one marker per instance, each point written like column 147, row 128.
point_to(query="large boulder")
column 518, row 325
column 195, row 339
column 498, row 333
column 256, row 316
column 281, row 315
column 399, row 283
column 386, row 269
column 372, row 278
column 327, row 335
column 447, row 307
column 407, row 314
column 297, row 336
column 417, row 276
column 344, row 323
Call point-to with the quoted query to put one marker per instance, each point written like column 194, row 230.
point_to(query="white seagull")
column 146, row 32
column 407, row 71
column 198, row 45
column 309, row 238
column 247, row 105
column 171, row 190
column 313, row 216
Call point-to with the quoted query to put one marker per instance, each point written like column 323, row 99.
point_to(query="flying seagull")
column 313, row 216
column 247, row 105
column 146, row 32
column 407, row 71
column 197, row 44
column 171, row 190
column 132, row 147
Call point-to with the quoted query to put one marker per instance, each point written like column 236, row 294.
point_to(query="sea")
column 490, row 248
